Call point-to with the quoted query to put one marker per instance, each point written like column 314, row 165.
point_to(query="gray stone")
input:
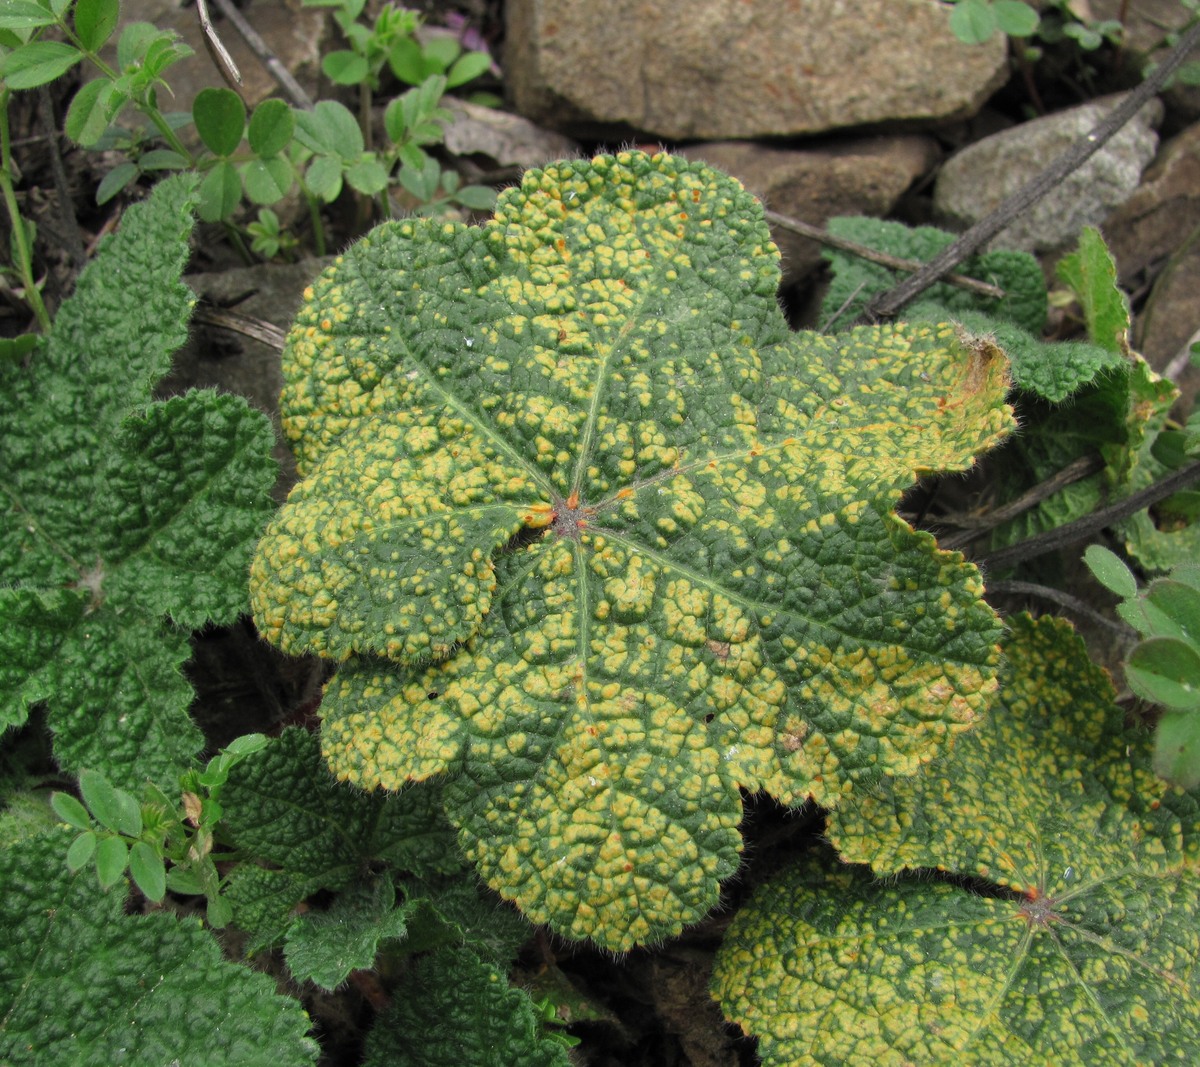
column 975, row 181
column 717, row 69
column 500, row 135
column 860, row 176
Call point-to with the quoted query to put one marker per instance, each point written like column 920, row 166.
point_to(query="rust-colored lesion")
column 983, row 356
column 792, row 739
column 720, row 649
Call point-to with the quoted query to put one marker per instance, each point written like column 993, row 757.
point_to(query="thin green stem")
column 23, row 253
column 147, row 108
column 318, row 227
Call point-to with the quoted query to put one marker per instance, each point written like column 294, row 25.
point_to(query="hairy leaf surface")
column 460, row 1010
column 856, row 280
column 598, row 537
column 1049, row 371
column 282, row 807
column 116, row 512
column 1079, row 944
column 83, row 983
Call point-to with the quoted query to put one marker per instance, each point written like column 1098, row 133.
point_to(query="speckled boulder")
column 975, row 181
column 741, row 68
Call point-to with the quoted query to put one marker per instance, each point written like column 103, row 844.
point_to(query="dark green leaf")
column 283, row 807
column 146, row 869
column 267, row 181
column 164, row 51
column 24, row 15
column 38, row 63
column 440, row 52
column 162, row 159
column 1110, row 571
column 83, row 983
column 92, row 110
column 220, row 192
column 1015, row 18
column 1177, row 748
column 344, row 136
column 367, row 176
column 407, row 63
column 422, row 181
column 271, row 128
column 973, row 21
column 95, row 21
column 466, row 1013
column 857, row 280
column 130, row 820
column 100, row 798
column 1166, row 670
column 324, row 178
column 476, row 197
column 15, row 349
column 194, row 476
column 466, row 68
column 184, row 882
column 109, row 542
column 67, row 808
column 134, row 41
column 112, row 857
column 1092, row 274
column 220, row 118
column 81, row 851
column 1175, row 606
column 116, row 180
column 394, row 124
column 325, row 946
column 345, row 68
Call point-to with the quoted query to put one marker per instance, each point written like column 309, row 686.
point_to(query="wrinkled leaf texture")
column 117, row 513
column 1066, row 934
column 596, row 537
column 83, row 983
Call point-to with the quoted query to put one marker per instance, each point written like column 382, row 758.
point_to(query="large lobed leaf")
column 1079, row 943
column 598, row 537
column 85, row 984
column 115, row 512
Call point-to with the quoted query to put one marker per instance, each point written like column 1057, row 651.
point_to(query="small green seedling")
column 1164, row 667
column 163, row 844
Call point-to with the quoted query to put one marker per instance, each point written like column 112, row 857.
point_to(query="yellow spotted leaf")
column 1064, row 932
column 600, row 539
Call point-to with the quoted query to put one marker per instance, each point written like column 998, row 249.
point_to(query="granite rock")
column 976, row 180
column 741, row 68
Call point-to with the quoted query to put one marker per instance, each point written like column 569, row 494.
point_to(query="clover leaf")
column 595, row 536
column 116, row 512
column 1063, row 931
